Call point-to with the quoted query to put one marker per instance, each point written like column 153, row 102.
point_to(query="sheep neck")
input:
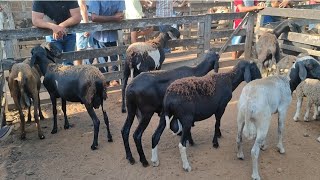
column 161, row 40
column 203, row 68
column 294, row 79
column 236, row 76
column 280, row 29
column 43, row 67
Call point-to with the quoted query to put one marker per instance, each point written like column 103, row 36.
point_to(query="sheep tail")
column 24, row 99
column 99, row 96
column 249, row 130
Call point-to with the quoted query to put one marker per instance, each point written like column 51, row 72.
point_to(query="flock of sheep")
column 180, row 96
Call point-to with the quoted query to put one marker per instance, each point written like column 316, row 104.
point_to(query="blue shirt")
column 106, row 8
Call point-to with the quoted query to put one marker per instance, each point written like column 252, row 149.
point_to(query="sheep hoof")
column 306, row 119
column 187, row 168
column 219, row 135
column 215, row 144
column 156, row 163
column 240, row 155
column 263, row 147
column 93, row 147
column 41, row 136
column 23, row 136
column 256, row 177
column 66, row 126
column 110, row 139
column 54, row 131
column 295, row 119
column 131, row 160
column 281, row 149
column 145, row 163
column 123, row 110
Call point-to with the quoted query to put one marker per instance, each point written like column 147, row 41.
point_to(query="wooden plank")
column 302, row 38
column 300, row 50
column 215, row 34
column 291, row 13
column 223, row 48
column 249, row 36
column 207, row 33
column 125, row 24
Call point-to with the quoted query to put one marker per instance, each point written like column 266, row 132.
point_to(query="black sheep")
column 145, row 94
column 194, row 99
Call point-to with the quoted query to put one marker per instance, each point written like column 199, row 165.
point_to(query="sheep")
column 195, row 99
column 311, row 89
column 145, row 56
column 24, row 84
column 260, row 99
column 267, row 47
column 83, row 83
column 285, row 64
column 144, row 96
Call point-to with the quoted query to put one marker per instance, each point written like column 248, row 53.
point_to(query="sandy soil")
column 67, row 154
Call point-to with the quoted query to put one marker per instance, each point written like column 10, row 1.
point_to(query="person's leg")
column 69, row 45
column 81, row 44
column 99, row 45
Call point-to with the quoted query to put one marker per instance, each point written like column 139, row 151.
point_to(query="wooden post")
column 201, row 27
column 249, row 36
column 207, row 32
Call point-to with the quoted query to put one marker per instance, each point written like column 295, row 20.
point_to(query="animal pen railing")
column 201, row 41
column 197, row 44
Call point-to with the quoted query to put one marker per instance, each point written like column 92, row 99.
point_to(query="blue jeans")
column 112, row 58
column 66, row 44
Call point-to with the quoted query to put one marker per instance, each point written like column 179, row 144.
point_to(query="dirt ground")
column 67, row 154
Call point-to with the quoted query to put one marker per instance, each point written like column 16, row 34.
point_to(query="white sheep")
column 262, row 98
column 311, row 89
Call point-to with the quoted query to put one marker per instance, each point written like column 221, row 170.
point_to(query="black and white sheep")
column 262, row 98
column 195, row 99
column 145, row 56
column 145, row 94
column 83, row 83
column 267, row 47
column 309, row 88
column 24, row 84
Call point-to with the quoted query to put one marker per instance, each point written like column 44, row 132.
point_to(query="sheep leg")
column 240, row 121
column 315, row 112
column 29, row 115
column 262, row 131
column 54, row 110
column 281, row 119
column 96, row 124
column 146, row 117
column 125, row 81
column 36, row 117
column 306, row 116
column 191, row 142
column 217, row 132
column 182, row 148
column 40, row 112
column 106, row 121
column 22, row 128
column 64, row 109
column 297, row 114
column 125, row 131
column 155, row 140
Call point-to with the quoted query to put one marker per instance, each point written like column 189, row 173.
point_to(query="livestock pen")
column 66, row 155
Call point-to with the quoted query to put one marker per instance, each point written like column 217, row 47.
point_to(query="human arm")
column 243, row 8
column 94, row 8
column 284, row 3
column 74, row 19
column 84, row 14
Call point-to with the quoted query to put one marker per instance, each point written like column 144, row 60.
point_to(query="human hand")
column 118, row 17
column 58, row 31
column 283, row 4
column 86, row 34
column 262, row 4
column 259, row 7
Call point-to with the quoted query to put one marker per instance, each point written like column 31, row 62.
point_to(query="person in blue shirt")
column 107, row 11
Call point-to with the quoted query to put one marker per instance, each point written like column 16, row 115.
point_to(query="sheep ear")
column 302, row 71
column 216, row 66
column 247, row 74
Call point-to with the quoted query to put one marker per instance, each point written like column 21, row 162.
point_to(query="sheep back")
column 266, row 44
column 87, row 75
column 311, row 89
column 192, row 86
